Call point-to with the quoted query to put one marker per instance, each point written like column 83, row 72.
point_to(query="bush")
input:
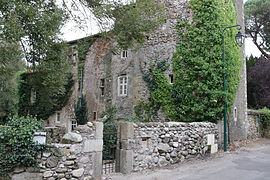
column 258, row 84
column 17, row 148
column 81, row 111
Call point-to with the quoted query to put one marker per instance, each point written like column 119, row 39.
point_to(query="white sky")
column 73, row 30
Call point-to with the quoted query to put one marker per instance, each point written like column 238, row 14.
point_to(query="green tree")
column 9, row 66
column 257, row 22
column 125, row 21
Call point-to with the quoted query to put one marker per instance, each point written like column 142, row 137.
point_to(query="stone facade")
column 104, row 68
column 147, row 145
column 81, row 159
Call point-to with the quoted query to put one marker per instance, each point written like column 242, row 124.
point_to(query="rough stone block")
column 126, row 161
column 214, row 148
column 210, row 139
column 93, row 145
column 126, row 130
column 28, row 176
column 99, row 130
column 97, row 168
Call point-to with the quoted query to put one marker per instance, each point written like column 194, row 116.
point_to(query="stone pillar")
column 98, row 145
column 124, row 154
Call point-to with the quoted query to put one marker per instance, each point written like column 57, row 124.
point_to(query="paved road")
column 249, row 163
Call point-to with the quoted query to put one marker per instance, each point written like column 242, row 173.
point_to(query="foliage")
column 9, row 65
column 197, row 92
column 258, row 84
column 126, row 21
column 265, row 117
column 35, row 24
column 250, row 62
column 31, row 29
column 16, row 146
column 83, row 46
column 49, row 97
column 109, row 133
column 257, row 22
column 81, row 112
column 160, row 93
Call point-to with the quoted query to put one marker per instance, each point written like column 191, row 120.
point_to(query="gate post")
column 124, row 152
column 97, row 173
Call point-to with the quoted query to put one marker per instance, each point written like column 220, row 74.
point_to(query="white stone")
column 48, row 174
column 175, row 144
column 89, row 124
column 73, row 137
column 93, row 145
column 46, row 155
column 163, row 147
column 78, row 172
column 210, row 139
column 214, row 148
column 84, row 160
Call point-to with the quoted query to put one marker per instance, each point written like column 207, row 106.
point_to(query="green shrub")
column 81, row 111
column 17, row 148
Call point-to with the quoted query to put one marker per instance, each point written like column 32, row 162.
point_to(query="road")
column 247, row 163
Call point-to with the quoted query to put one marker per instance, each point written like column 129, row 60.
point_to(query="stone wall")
column 255, row 130
column 147, row 145
column 81, row 158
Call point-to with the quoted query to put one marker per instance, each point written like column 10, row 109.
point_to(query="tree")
column 259, row 84
column 125, row 21
column 9, row 65
column 257, row 22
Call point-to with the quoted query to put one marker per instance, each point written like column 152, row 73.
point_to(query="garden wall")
column 147, row 145
column 79, row 158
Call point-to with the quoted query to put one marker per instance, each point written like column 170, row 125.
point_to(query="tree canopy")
column 29, row 31
column 257, row 21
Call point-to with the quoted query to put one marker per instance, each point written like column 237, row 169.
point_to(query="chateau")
column 116, row 79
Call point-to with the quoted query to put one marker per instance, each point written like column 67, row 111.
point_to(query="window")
column 102, row 87
column 235, row 114
column 122, row 85
column 33, row 96
column 73, row 124
column 58, row 117
column 124, row 54
column 171, row 78
column 95, row 116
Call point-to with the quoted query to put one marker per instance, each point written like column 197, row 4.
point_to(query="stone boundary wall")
column 255, row 129
column 148, row 145
column 79, row 158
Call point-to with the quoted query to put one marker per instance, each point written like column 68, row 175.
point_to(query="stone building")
column 116, row 79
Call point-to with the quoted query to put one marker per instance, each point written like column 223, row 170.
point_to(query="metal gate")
column 109, row 148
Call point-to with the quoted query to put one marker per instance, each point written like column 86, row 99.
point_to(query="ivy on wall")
column 40, row 108
column 197, row 92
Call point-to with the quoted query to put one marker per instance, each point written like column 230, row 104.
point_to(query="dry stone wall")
column 148, row 145
column 79, row 156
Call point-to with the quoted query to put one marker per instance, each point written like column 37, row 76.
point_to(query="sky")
column 72, row 30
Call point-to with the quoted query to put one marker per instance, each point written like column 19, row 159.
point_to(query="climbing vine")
column 197, row 92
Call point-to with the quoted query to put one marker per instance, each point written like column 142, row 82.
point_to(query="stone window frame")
column 33, row 96
column 122, row 83
column 124, row 54
column 235, row 113
column 58, row 117
column 102, row 87
column 74, row 124
column 94, row 115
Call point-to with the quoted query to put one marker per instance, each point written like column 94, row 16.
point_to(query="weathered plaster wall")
column 94, row 71
column 238, row 124
column 67, row 114
column 147, row 145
